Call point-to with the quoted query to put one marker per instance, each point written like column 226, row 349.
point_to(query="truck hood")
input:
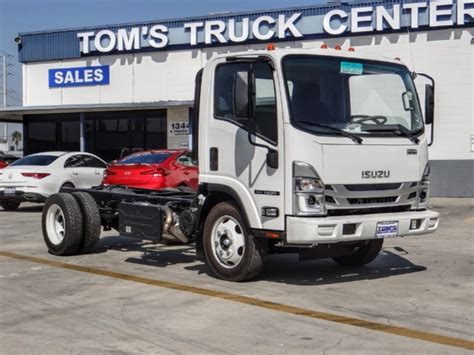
column 370, row 163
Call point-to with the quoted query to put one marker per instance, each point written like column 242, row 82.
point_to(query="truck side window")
column 265, row 110
column 265, row 106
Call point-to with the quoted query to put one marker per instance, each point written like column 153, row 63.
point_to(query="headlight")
column 308, row 190
column 304, row 184
column 423, row 193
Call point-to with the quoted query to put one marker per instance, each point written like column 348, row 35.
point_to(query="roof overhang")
column 15, row 114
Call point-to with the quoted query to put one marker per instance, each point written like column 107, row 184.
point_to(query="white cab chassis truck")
column 322, row 152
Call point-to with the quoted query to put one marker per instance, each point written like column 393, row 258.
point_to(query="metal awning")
column 16, row 113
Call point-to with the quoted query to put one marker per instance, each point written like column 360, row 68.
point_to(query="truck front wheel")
column 362, row 254
column 232, row 253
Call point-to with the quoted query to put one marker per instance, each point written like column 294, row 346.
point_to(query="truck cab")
column 312, row 147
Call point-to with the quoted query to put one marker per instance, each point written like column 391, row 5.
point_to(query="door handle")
column 186, row 173
column 74, row 173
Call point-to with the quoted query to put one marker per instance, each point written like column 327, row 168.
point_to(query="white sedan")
column 36, row 177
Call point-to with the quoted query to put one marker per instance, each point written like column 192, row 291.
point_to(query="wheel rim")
column 228, row 241
column 55, row 224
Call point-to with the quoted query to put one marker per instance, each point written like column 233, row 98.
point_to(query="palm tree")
column 17, row 138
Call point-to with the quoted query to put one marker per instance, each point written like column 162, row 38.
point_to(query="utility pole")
column 5, row 73
column 4, row 81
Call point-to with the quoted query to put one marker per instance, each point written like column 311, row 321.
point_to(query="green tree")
column 17, row 138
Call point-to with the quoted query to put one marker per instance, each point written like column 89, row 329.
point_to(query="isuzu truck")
column 320, row 152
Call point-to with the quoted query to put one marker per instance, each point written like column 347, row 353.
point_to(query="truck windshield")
column 357, row 96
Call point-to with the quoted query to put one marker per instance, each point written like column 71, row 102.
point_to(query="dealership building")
column 115, row 89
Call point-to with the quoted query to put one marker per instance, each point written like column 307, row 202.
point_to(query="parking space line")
column 470, row 219
column 361, row 323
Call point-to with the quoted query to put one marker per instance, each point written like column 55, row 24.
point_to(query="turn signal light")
column 35, row 175
column 109, row 173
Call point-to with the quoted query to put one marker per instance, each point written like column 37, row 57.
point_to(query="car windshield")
column 152, row 158
column 356, row 96
column 35, row 160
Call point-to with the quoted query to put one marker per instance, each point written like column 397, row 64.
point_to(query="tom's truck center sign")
column 363, row 19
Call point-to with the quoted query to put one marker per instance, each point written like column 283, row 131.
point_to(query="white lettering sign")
column 360, row 19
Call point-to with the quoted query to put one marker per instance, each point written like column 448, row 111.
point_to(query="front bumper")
column 307, row 230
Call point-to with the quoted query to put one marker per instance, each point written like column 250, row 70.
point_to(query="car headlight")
column 423, row 193
column 308, row 190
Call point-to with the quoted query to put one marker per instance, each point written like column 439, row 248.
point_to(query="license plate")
column 387, row 229
column 9, row 191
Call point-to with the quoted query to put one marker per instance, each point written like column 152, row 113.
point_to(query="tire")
column 10, row 205
column 92, row 224
column 363, row 255
column 246, row 256
column 62, row 211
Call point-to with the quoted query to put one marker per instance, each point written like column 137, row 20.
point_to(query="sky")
column 36, row 15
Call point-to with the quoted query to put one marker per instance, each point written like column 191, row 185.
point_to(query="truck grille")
column 370, row 196
column 371, row 200
column 372, row 187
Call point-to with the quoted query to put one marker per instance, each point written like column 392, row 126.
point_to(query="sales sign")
column 79, row 76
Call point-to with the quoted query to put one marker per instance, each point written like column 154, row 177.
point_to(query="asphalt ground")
column 131, row 296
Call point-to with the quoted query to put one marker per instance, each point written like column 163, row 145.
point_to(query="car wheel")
column 362, row 255
column 232, row 253
column 62, row 224
column 10, row 205
column 92, row 224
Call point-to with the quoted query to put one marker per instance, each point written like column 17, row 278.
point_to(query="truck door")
column 232, row 160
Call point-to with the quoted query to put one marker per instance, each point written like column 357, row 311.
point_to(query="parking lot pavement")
column 131, row 296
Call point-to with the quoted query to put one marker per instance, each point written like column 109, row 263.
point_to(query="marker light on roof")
column 324, row 46
column 397, row 58
column 271, row 47
column 351, row 49
column 337, row 48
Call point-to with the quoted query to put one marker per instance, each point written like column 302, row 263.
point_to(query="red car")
column 154, row 170
column 6, row 160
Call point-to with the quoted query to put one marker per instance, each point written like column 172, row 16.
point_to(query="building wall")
column 447, row 55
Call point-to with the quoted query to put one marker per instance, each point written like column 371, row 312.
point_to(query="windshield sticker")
column 351, row 68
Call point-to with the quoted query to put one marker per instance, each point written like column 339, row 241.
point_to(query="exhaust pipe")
column 171, row 226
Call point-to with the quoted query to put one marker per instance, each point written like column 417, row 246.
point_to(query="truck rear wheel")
column 231, row 251
column 362, row 255
column 62, row 224
column 92, row 225
column 10, row 205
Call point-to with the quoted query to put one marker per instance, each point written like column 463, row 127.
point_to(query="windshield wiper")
column 352, row 136
column 397, row 129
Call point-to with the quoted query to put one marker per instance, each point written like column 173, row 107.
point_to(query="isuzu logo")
column 375, row 174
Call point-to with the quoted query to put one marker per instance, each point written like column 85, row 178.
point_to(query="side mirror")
column 429, row 104
column 241, row 95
